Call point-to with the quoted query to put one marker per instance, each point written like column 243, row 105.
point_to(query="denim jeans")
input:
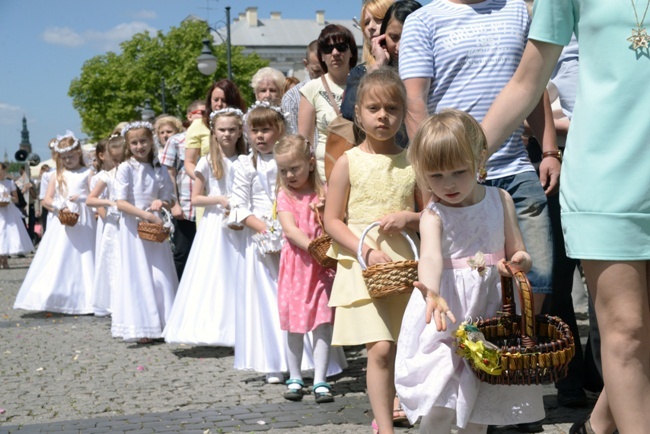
column 535, row 224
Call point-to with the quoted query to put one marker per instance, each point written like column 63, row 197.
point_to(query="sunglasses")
column 341, row 47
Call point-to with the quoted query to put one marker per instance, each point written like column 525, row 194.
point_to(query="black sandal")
column 292, row 393
column 583, row 427
column 322, row 397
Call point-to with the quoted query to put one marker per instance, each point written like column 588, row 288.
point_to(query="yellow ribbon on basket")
column 473, row 346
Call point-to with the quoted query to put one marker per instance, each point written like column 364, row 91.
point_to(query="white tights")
column 440, row 420
column 321, row 347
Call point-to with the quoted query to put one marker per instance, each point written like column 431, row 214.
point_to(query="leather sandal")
column 294, row 393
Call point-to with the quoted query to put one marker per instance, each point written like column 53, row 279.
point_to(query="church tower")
column 24, row 138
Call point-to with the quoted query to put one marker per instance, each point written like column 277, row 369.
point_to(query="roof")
column 282, row 33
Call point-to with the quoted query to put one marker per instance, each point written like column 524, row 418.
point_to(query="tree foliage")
column 113, row 87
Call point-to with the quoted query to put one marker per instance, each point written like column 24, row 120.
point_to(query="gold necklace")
column 640, row 37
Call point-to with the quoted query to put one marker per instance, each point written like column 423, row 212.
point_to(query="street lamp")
column 147, row 112
column 207, row 62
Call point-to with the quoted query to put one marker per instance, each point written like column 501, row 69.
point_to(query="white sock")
column 322, row 341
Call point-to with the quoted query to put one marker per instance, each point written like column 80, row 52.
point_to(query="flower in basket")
column 478, row 351
column 477, row 262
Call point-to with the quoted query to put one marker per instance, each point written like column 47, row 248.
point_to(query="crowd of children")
column 250, row 281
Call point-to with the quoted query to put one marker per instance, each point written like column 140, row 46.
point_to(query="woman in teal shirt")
column 605, row 181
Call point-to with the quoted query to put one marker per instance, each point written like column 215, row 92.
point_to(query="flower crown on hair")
column 68, row 134
column 136, row 125
column 267, row 105
column 232, row 110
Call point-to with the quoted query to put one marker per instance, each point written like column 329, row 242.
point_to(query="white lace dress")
column 428, row 372
column 204, row 308
column 148, row 282
column 60, row 277
column 14, row 238
column 107, row 259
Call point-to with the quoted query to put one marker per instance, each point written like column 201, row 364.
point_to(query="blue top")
column 605, row 181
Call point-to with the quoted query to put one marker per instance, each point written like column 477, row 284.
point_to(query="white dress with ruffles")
column 148, row 281
column 60, row 278
column 428, row 372
column 204, row 309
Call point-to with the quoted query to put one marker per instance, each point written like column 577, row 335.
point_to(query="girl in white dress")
column 466, row 234
column 204, row 309
column 109, row 153
column 60, row 278
column 260, row 344
column 148, row 281
column 14, row 238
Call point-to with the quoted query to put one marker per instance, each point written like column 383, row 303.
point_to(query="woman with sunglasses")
column 337, row 54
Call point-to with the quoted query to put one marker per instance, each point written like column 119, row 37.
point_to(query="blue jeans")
column 535, row 224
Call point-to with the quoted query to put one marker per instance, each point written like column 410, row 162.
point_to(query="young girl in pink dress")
column 304, row 286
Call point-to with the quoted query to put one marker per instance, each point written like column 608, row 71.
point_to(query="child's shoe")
column 323, row 393
column 294, row 389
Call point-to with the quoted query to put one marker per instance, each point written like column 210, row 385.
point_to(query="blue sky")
column 44, row 43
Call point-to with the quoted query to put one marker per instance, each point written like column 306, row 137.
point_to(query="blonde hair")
column 173, row 121
column 260, row 117
column 446, row 141
column 216, row 156
column 298, row 147
column 376, row 8
column 385, row 85
column 60, row 168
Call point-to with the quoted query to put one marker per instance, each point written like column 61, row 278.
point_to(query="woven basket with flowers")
column 512, row 349
column 155, row 232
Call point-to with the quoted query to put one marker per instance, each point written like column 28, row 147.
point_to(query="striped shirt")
column 173, row 155
column 470, row 52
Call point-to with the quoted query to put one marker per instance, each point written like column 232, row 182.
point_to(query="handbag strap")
column 330, row 96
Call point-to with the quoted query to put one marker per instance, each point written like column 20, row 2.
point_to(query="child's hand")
column 177, row 212
column 520, row 258
column 153, row 218
column 318, row 205
column 73, row 198
column 436, row 308
column 393, row 223
column 156, row 205
column 375, row 256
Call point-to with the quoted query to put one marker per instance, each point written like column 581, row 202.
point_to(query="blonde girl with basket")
column 304, row 286
column 148, row 279
column 204, row 309
column 467, row 232
column 60, row 278
column 109, row 154
column 372, row 182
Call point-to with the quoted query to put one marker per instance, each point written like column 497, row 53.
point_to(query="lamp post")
column 147, row 112
column 207, row 62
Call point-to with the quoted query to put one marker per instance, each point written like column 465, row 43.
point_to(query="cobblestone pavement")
column 61, row 373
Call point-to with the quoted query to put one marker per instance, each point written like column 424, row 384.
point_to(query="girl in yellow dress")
column 372, row 182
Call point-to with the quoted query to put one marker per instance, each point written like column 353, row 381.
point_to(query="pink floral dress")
column 304, row 286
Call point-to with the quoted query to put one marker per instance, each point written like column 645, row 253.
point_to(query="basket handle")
column 528, row 328
column 363, row 236
column 164, row 213
column 318, row 219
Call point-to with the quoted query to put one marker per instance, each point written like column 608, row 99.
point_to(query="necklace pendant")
column 639, row 38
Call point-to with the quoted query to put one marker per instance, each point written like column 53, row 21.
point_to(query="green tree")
column 113, row 86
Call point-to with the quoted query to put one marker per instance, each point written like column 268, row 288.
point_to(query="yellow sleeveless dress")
column 379, row 185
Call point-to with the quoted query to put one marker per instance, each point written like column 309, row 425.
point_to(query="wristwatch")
column 555, row 154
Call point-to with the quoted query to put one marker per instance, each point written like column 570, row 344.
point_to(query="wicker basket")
column 390, row 278
column 3, row 203
column 319, row 246
column 68, row 218
column 153, row 231
column 533, row 349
